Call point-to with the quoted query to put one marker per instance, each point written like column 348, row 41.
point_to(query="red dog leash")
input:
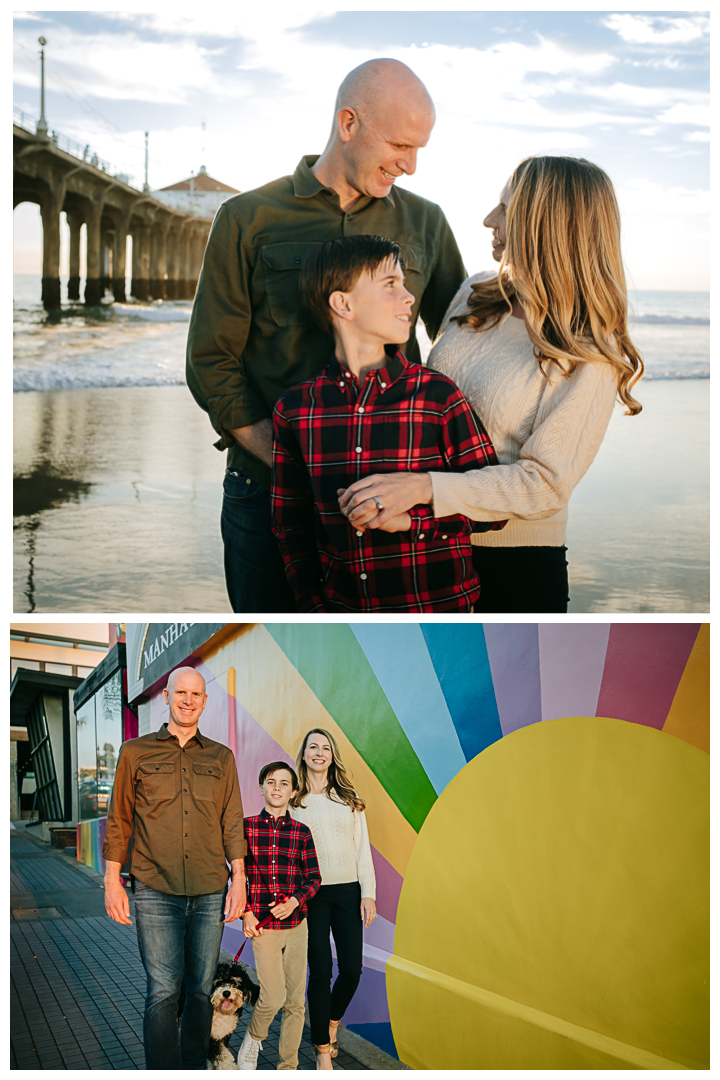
column 263, row 922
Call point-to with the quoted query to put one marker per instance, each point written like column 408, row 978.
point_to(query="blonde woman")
column 541, row 349
column 329, row 805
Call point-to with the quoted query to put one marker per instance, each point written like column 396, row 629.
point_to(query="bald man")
column 176, row 795
column 250, row 339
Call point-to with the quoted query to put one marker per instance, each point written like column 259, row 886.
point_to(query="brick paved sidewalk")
column 77, row 982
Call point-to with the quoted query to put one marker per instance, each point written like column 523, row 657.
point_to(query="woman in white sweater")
column 541, row 350
column 328, row 804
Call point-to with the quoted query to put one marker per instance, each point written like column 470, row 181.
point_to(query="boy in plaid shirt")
column 282, row 874
column 370, row 411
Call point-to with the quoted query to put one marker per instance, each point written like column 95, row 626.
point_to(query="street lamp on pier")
column 42, row 128
column 146, row 186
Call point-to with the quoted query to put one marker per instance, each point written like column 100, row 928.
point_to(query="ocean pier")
column 60, row 175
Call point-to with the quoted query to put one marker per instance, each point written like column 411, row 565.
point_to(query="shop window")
column 99, row 736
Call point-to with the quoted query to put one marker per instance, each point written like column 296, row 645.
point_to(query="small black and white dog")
column 231, row 988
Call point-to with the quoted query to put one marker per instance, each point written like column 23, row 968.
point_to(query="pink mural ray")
column 572, row 660
column 643, row 667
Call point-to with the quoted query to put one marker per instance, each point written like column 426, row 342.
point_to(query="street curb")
column 364, row 1052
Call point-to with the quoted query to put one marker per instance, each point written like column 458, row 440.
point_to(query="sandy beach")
column 118, row 494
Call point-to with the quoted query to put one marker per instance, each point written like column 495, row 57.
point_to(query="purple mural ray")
column 515, row 665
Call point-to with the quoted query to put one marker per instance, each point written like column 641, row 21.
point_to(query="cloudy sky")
column 628, row 90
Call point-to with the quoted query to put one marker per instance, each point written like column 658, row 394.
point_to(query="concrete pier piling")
column 167, row 242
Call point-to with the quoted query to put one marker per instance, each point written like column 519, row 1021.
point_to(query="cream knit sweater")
column 545, row 432
column 341, row 841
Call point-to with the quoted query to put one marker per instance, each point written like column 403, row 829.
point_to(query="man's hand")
column 250, row 925
column 236, row 898
column 117, row 904
column 399, row 523
column 282, row 911
column 257, row 438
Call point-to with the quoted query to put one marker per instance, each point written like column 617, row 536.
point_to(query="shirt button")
column 363, row 577
column 185, row 811
column 298, row 259
column 383, row 384
column 187, row 856
column 361, row 409
column 185, row 790
column 341, row 384
column 444, row 536
column 247, row 481
column 358, row 449
column 421, row 536
column 358, row 532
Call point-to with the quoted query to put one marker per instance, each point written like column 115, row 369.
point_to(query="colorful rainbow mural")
column 413, row 706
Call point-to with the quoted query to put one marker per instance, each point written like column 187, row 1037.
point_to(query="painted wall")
column 511, row 774
column 90, row 838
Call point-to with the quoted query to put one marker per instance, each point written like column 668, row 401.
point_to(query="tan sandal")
column 333, row 1043
column 324, row 1049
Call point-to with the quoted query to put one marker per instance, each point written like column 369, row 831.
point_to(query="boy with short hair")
column 370, row 411
column 282, row 875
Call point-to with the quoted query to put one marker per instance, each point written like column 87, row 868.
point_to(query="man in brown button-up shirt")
column 176, row 795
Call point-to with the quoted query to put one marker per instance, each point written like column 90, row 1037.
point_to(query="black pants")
column 336, row 908
column 521, row 580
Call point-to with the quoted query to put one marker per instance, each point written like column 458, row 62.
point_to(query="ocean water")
column 138, row 344
column 118, row 486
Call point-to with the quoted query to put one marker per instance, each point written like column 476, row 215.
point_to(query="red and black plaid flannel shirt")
column 329, row 433
column 281, row 861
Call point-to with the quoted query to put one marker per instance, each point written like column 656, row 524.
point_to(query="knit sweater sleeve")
column 552, row 461
column 363, row 856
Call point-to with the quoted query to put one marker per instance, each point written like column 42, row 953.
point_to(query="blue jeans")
column 254, row 571
column 179, row 939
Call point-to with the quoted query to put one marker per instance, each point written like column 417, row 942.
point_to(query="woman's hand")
column 368, row 912
column 396, row 492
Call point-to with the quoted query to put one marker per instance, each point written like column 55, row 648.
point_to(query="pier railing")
column 70, row 146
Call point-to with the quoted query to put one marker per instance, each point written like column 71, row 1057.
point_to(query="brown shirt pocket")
column 156, row 780
column 207, row 782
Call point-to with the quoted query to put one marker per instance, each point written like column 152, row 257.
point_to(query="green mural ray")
column 331, row 662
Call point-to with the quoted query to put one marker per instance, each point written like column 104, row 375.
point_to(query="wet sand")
column 118, row 494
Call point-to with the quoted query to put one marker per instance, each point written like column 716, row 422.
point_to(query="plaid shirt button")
column 383, row 385
column 361, row 409
column 358, row 532
column 358, row 449
column 422, row 536
column 444, row 536
column 341, row 384
column 363, row 577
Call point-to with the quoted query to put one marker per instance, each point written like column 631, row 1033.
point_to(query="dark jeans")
column 179, row 939
column 254, row 572
column 336, row 908
column 521, row 580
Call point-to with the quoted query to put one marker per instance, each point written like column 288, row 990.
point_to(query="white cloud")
column 658, row 30
column 687, row 114
column 697, row 136
column 647, row 198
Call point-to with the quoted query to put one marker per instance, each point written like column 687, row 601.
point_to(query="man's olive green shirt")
column 250, row 339
column 182, row 807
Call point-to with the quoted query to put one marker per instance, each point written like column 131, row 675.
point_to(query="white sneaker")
column 247, row 1058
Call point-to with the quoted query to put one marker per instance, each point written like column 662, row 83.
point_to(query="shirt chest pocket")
column 207, row 782
column 156, row 780
column 281, row 264
column 414, row 265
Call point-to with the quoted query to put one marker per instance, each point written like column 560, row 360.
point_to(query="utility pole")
column 146, row 186
column 42, row 128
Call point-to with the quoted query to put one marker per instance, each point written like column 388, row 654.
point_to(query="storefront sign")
column 154, row 649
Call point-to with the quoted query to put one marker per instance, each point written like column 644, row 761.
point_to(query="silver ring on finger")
column 378, row 503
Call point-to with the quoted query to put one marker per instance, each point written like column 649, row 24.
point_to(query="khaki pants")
column 281, row 965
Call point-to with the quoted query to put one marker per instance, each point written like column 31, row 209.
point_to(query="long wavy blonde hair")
column 562, row 259
column 339, row 788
